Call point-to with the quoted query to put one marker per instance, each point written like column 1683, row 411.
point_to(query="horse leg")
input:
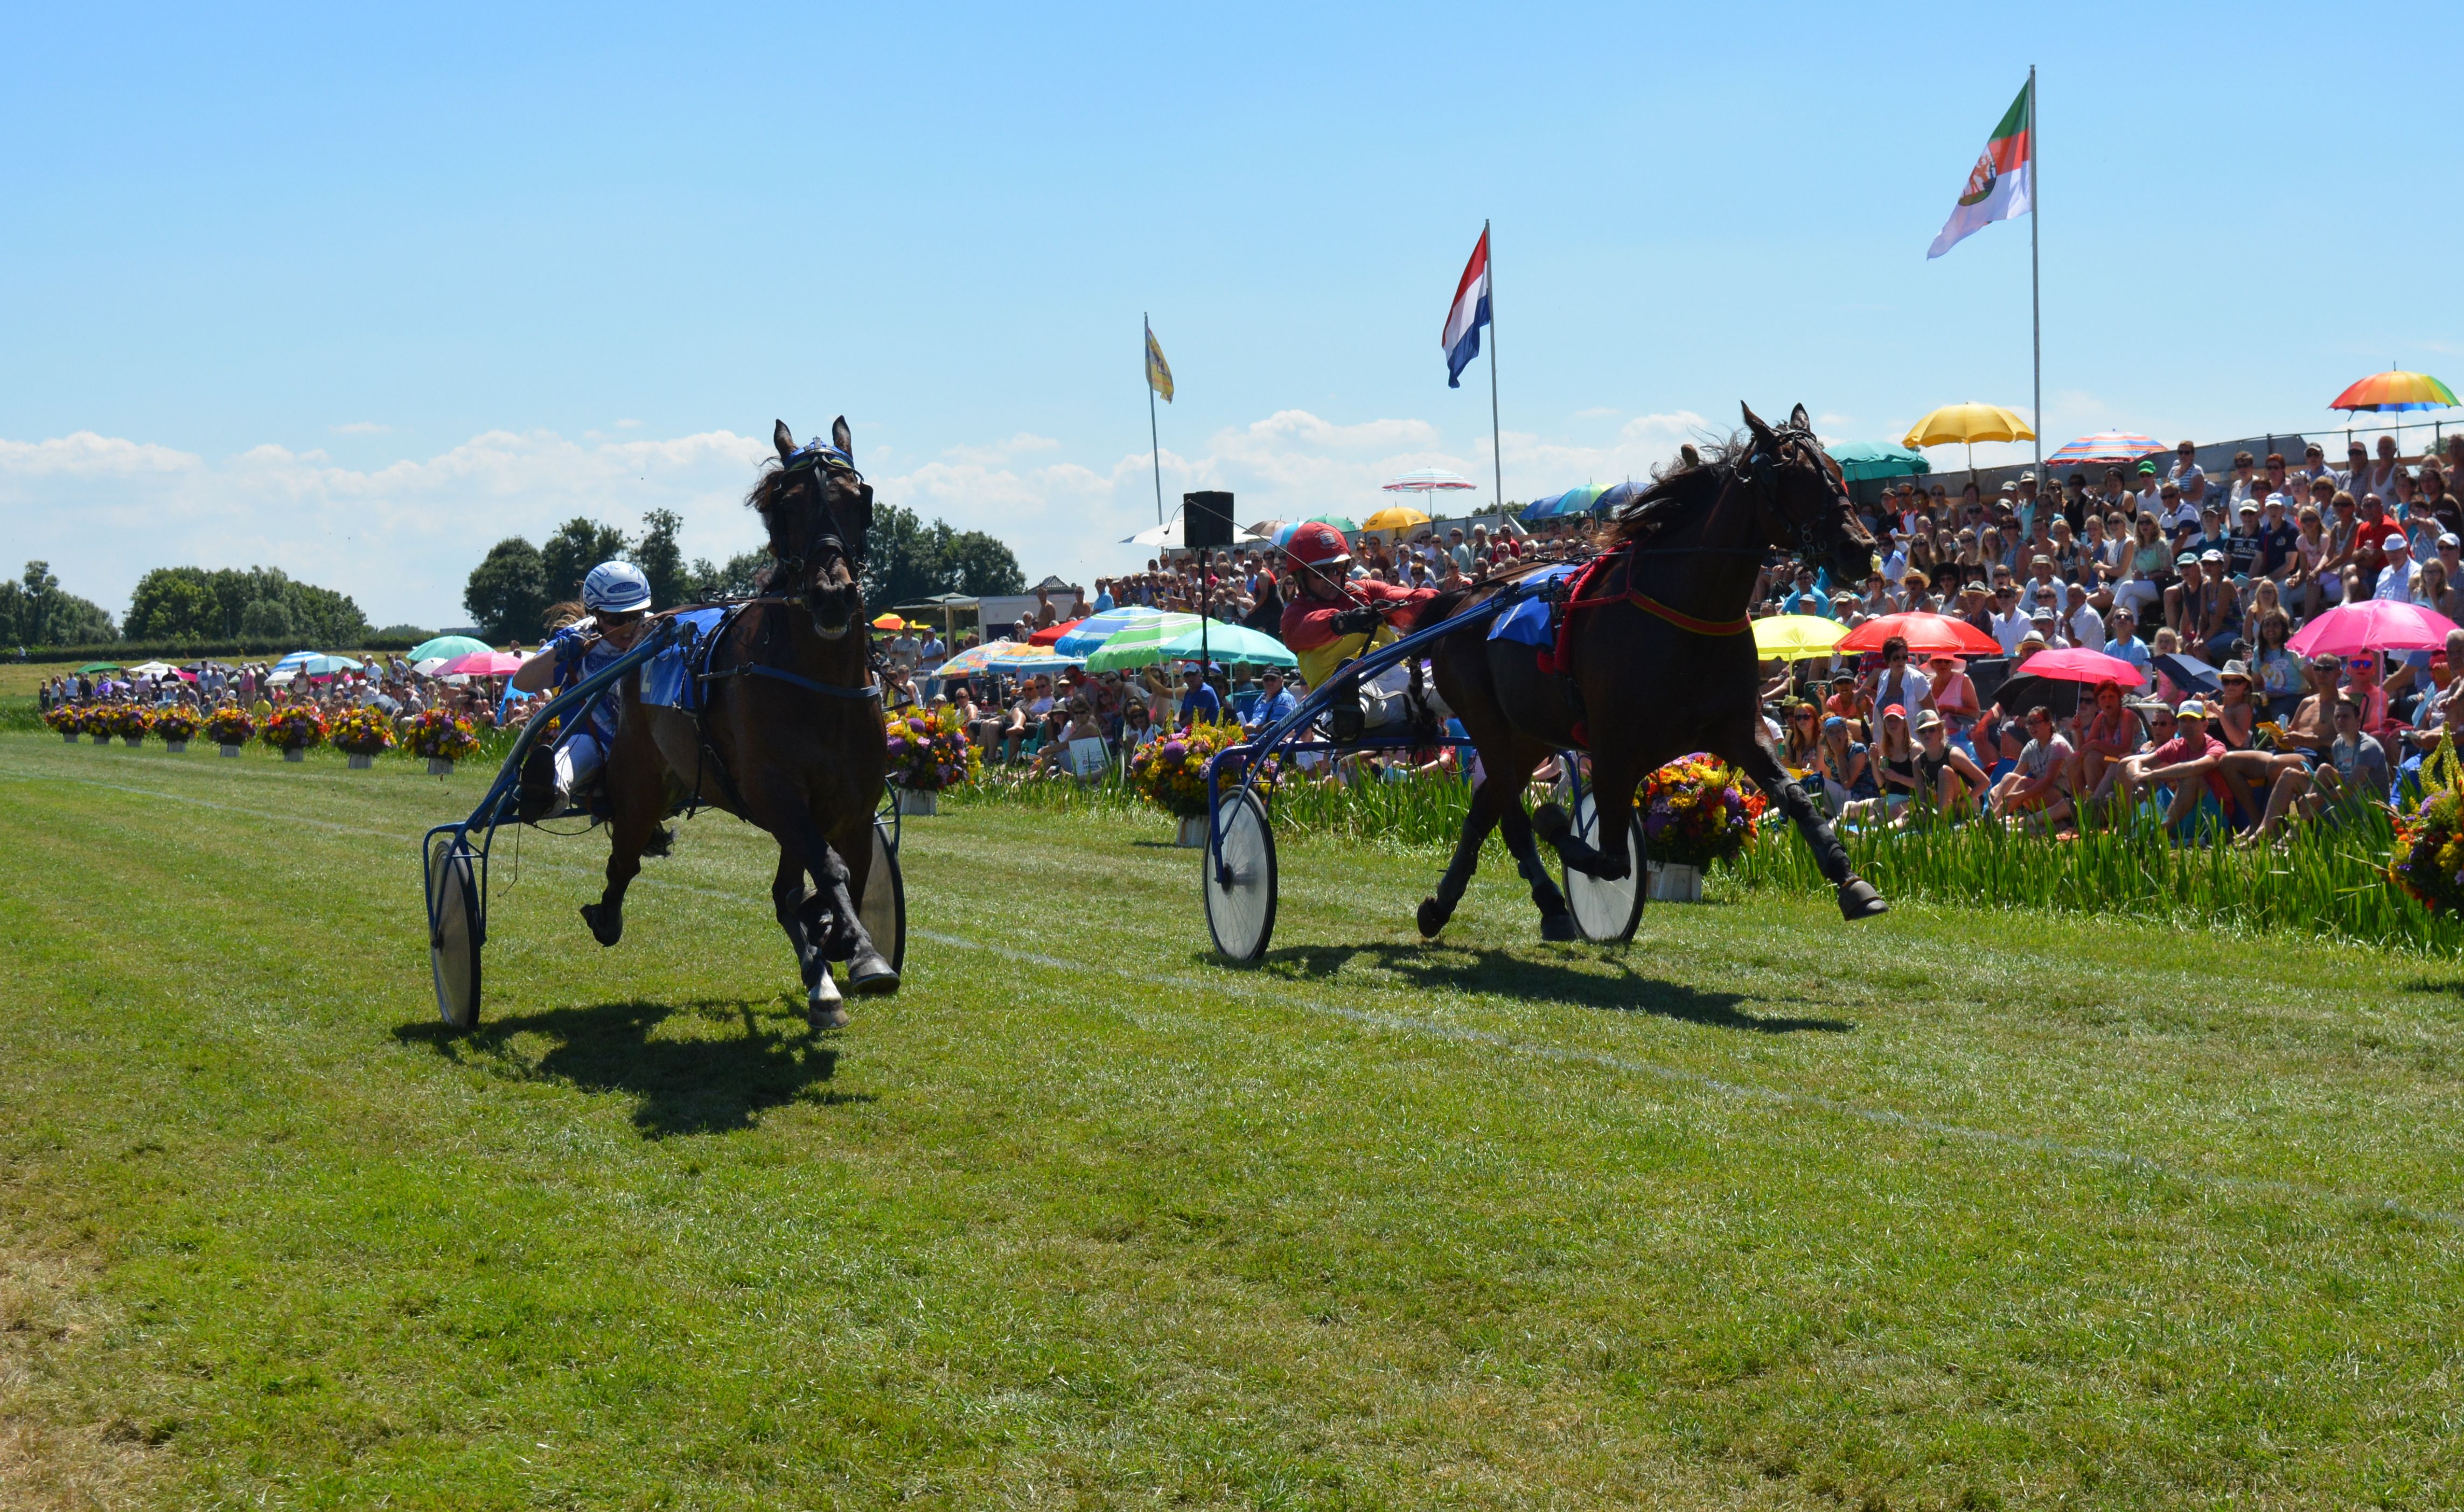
column 849, row 862
column 636, row 791
column 1612, row 793
column 822, row 1009
column 1857, row 899
column 1485, row 802
column 1557, row 920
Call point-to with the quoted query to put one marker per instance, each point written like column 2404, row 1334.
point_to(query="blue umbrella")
column 1096, row 630
column 1539, row 509
column 1617, row 496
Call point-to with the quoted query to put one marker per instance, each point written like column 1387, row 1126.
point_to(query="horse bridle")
column 814, row 459
column 1760, row 472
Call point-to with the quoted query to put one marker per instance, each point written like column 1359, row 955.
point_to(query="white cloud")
column 402, row 537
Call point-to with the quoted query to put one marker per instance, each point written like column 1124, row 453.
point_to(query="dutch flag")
column 1470, row 312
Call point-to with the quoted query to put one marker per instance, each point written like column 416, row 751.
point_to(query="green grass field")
column 1961, row 1207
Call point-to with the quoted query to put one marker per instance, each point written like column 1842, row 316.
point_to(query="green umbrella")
column 1859, row 460
column 1338, row 521
column 1228, row 642
column 1140, row 645
column 99, row 667
column 448, row 646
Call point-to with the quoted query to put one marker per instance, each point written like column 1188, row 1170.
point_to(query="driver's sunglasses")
column 617, row 620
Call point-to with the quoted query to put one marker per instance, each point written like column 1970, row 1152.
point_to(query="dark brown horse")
column 1662, row 664
column 792, row 725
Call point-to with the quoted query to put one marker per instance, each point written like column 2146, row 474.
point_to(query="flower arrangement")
column 294, row 727
column 1171, row 773
column 95, row 719
column 439, row 736
column 930, row 753
column 230, row 726
column 1697, row 810
column 2427, row 858
column 362, row 732
column 130, row 722
column 65, row 719
column 177, row 724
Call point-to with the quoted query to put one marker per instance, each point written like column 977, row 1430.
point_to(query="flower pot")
column 102, row 741
column 1675, row 884
column 440, row 766
column 361, row 763
column 230, row 750
column 1193, row 833
column 69, row 735
column 294, row 752
column 176, row 747
column 132, row 740
column 913, row 802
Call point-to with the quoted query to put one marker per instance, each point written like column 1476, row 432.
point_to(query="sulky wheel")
column 1240, row 880
column 883, row 908
column 1606, row 913
column 455, row 931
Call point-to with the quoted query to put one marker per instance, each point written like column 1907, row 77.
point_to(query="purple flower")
column 1173, row 753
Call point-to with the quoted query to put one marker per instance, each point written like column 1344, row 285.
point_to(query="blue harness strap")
column 765, row 670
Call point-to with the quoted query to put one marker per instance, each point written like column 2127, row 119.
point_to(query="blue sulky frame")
column 1291, row 735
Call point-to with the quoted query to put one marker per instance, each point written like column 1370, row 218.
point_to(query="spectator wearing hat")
column 2395, row 579
column 2185, row 774
column 2232, row 717
column 2276, row 536
column 1953, row 693
column 2242, row 547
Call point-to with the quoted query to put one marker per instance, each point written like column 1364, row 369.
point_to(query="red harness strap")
column 1561, row 658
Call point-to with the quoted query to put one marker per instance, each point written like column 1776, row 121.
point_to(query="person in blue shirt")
column 2126, row 642
column 618, row 598
column 1807, row 598
column 1199, row 700
column 1274, row 700
column 1103, row 597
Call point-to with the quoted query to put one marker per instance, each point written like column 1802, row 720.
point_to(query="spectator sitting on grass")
column 2038, row 788
column 2185, row 774
column 1948, row 778
column 2354, row 772
column 1893, row 761
column 2109, row 733
column 1841, row 763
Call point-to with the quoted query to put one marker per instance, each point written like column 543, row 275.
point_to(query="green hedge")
column 128, row 652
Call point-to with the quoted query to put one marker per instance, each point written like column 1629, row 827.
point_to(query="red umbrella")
column 1053, row 632
column 2373, row 625
column 2077, row 664
column 483, row 663
column 1926, row 635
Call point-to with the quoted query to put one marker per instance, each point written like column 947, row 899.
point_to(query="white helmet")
column 615, row 587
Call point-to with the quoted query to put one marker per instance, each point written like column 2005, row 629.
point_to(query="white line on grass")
column 1882, row 1117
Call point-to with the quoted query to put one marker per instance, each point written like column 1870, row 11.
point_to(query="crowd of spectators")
column 2180, row 575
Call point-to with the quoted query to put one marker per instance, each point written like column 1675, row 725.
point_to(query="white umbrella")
column 1429, row 480
column 1170, row 534
column 152, row 669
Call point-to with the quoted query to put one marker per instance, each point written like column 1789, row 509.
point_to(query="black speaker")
column 1207, row 520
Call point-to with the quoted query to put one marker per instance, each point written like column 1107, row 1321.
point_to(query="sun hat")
column 1926, row 719
column 2212, row 555
column 2187, row 559
column 2191, row 709
column 2234, row 670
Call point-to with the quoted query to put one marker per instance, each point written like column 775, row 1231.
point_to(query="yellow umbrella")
column 1968, row 424
column 890, row 622
column 1796, row 637
column 1394, row 516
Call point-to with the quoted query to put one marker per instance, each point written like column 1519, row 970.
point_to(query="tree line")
column 513, row 587
column 34, row 611
column 251, row 604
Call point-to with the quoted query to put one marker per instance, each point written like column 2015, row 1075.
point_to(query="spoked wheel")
column 455, row 931
column 883, row 908
column 1240, row 882
column 1606, row 913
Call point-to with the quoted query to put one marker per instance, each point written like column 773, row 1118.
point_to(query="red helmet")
column 1317, row 545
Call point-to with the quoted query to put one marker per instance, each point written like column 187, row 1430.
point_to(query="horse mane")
column 1679, row 488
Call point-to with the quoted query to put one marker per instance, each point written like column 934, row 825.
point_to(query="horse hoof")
column 1558, row 928
column 870, row 976
column 1431, row 917
column 607, row 924
column 831, row 1015
column 1549, row 822
column 1857, row 900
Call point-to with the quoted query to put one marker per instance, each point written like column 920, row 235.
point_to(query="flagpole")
column 1146, row 365
column 2035, row 297
column 1496, row 450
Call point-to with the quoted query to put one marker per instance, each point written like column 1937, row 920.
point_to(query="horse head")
column 818, row 508
column 1804, row 498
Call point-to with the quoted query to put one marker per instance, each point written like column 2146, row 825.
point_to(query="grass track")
column 1958, row 1207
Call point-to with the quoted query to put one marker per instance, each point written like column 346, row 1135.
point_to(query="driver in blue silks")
column 617, row 599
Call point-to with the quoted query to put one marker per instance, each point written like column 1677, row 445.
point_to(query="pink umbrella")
column 2077, row 664
column 2374, row 624
column 483, row 663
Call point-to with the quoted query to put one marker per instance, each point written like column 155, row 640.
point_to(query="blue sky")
column 356, row 296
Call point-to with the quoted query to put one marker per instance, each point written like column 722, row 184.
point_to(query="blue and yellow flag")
column 1159, row 371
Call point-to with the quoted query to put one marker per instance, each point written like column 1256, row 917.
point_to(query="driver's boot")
column 534, row 795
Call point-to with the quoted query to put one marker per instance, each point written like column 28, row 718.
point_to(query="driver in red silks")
column 1325, row 625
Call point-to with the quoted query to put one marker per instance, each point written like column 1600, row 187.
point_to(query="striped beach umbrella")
column 1096, row 630
column 2396, row 391
column 1429, row 480
column 2111, row 446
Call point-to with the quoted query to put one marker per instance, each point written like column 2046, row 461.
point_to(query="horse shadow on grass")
column 687, row 1086
column 1462, row 968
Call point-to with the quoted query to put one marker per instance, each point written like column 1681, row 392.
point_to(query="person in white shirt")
column 2009, row 624
column 2186, row 467
column 2396, row 578
column 2379, row 478
column 2088, row 619
column 2040, row 576
column 2047, row 626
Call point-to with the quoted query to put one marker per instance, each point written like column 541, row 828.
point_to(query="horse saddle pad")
column 1533, row 621
column 672, row 678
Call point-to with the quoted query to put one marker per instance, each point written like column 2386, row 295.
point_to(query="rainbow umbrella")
column 1014, row 658
column 971, row 660
column 1140, row 645
column 2114, row 447
column 1096, row 630
column 2397, row 390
